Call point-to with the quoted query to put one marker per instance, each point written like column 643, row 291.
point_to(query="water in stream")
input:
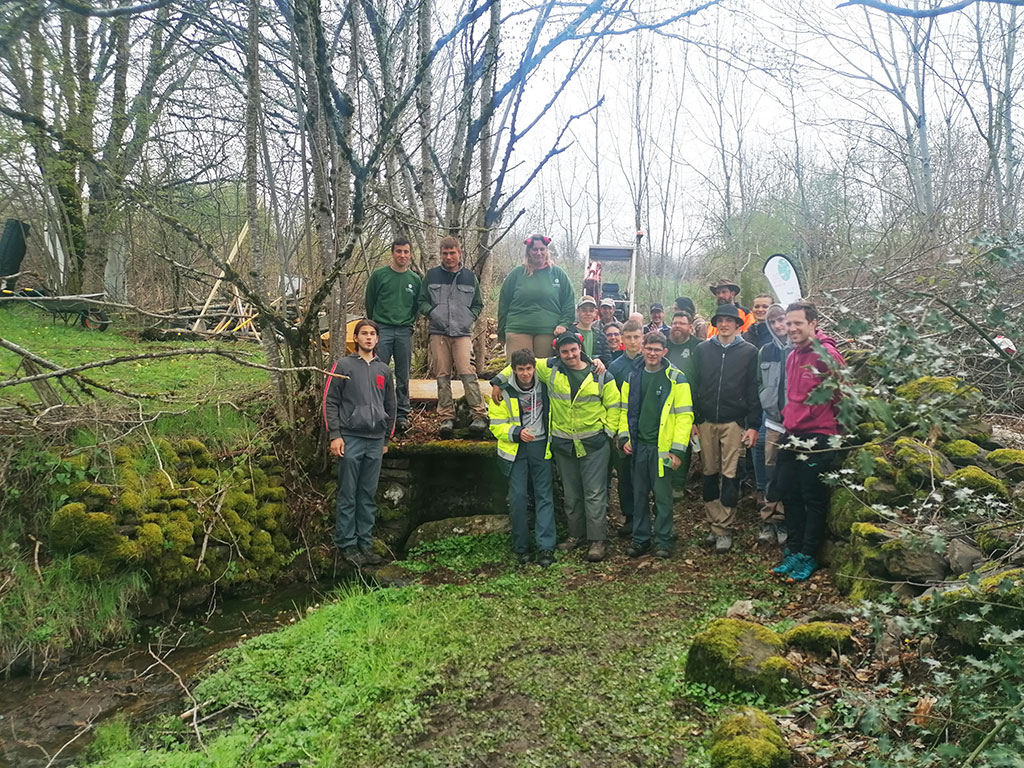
column 48, row 721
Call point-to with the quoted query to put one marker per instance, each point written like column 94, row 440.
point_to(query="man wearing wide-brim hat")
column 725, row 292
column 727, row 412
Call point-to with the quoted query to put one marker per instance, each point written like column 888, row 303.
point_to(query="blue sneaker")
column 802, row 570
column 789, row 559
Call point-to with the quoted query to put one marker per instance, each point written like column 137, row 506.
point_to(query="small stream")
column 39, row 717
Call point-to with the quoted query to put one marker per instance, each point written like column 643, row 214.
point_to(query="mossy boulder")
column 998, row 598
column 980, row 481
column 920, row 465
column 845, row 509
column 912, row 558
column 859, row 567
column 476, row 525
column 931, row 389
column 1010, row 461
column 963, row 450
column 748, row 738
column 732, row 654
column 820, row 637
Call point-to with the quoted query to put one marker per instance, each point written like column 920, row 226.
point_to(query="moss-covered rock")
column 845, row 509
column 1009, row 460
column 820, row 637
column 998, row 597
column 935, row 388
column 476, row 525
column 961, row 449
column 980, row 481
column 920, row 465
column 912, row 558
column 859, row 567
column 735, row 654
column 748, row 739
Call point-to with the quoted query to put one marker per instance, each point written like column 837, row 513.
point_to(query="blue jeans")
column 529, row 467
column 646, row 481
column 358, row 473
column 396, row 341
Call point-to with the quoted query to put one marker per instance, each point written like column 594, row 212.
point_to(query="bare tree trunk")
column 484, row 224
column 282, row 400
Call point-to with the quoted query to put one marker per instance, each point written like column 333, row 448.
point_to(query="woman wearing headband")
column 536, row 301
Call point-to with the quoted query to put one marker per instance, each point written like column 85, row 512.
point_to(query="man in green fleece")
column 390, row 302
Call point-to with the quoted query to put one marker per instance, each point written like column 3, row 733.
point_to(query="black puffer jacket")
column 727, row 390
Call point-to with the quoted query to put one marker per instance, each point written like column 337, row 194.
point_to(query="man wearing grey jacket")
column 359, row 413
column 450, row 298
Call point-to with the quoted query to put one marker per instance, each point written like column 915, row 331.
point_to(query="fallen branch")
column 195, row 702
column 57, row 371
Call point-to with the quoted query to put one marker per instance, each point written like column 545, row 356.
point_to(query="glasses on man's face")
column 652, row 349
column 613, row 335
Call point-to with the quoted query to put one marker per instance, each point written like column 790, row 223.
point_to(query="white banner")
column 783, row 278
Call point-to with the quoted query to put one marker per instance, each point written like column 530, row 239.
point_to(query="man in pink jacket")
column 809, row 446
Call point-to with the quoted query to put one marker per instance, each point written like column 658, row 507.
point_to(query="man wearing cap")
column 700, row 324
column 728, row 415
column 594, row 344
column 657, row 320
column 584, row 416
column 725, row 292
column 606, row 312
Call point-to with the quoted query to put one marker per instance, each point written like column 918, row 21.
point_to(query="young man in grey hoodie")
column 771, row 386
column 359, row 412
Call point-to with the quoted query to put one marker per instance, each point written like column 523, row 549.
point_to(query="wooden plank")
column 425, row 390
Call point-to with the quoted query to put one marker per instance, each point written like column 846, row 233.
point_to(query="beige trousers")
column 771, row 511
column 448, row 352
column 540, row 343
column 720, row 449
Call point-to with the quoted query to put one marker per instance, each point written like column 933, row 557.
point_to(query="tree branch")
column 927, row 13
column 123, row 10
column 57, row 371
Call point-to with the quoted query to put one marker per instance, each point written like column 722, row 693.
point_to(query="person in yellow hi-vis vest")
column 519, row 422
column 584, row 417
column 654, row 433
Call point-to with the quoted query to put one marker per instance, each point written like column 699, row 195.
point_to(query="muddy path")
column 47, row 721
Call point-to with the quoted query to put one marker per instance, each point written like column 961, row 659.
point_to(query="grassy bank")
column 483, row 663
column 187, row 378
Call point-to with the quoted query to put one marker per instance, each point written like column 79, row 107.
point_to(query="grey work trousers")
column 584, row 488
column 356, row 510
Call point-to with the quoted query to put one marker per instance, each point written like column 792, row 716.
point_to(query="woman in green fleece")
column 536, row 302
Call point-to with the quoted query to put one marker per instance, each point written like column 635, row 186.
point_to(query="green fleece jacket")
column 535, row 304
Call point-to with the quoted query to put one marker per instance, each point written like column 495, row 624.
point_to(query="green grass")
column 574, row 665
column 47, row 613
column 189, row 378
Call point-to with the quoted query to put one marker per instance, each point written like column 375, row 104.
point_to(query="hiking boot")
column 571, row 543
column 767, row 535
column 638, row 550
column 803, row 567
column 781, row 535
column 723, row 544
column 478, row 427
column 662, row 554
column 522, row 558
column 402, row 425
column 788, row 561
column 354, row 556
column 371, row 558
column 446, row 429
column 596, row 552
column 710, row 540
column 545, row 558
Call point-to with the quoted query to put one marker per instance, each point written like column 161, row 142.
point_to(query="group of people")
column 593, row 396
